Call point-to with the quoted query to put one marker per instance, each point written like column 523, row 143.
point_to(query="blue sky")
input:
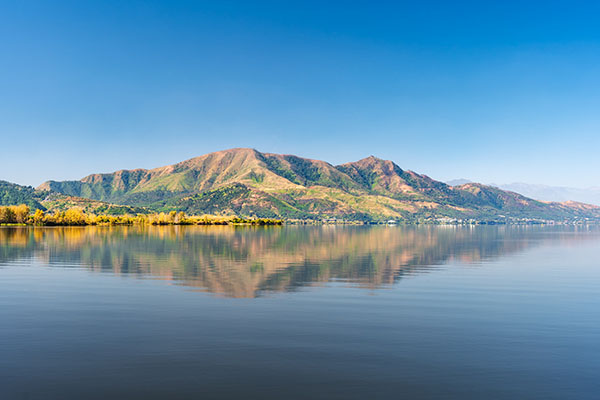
column 491, row 91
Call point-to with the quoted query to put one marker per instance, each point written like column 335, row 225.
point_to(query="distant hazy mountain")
column 248, row 182
column 544, row 192
column 555, row 193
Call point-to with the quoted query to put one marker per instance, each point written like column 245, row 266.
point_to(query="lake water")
column 332, row 312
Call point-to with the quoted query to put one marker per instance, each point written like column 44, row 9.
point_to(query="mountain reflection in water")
column 249, row 261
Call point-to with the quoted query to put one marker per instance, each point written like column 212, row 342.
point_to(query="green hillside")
column 13, row 194
column 250, row 183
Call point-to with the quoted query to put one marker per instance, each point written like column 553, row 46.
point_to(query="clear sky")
column 491, row 91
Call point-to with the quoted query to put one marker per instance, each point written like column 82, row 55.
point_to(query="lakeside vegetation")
column 77, row 216
column 22, row 215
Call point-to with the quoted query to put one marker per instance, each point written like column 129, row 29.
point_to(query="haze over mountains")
column 555, row 193
column 247, row 182
column 589, row 195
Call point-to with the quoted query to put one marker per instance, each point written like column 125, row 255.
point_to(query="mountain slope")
column 12, row 194
column 590, row 195
column 248, row 182
column 516, row 205
column 141, row 186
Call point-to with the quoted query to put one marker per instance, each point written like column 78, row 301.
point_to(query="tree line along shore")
column 23, row 215
column 75, row 216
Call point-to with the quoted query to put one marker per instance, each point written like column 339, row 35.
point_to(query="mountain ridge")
column 248, row 182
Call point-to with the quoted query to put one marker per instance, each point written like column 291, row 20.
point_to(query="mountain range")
column 250, row 183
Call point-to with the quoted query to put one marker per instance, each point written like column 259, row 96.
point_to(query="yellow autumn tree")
column 7, row 215
column 38, row 217
column 74, row 216
column 21, row 213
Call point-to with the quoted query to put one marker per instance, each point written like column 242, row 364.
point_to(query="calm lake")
column 494, row 312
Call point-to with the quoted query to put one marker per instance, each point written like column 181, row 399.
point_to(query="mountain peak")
column 234, row 152
column 371, row 159
column 385, row 166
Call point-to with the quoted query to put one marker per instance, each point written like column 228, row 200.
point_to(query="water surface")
column 299, row 312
